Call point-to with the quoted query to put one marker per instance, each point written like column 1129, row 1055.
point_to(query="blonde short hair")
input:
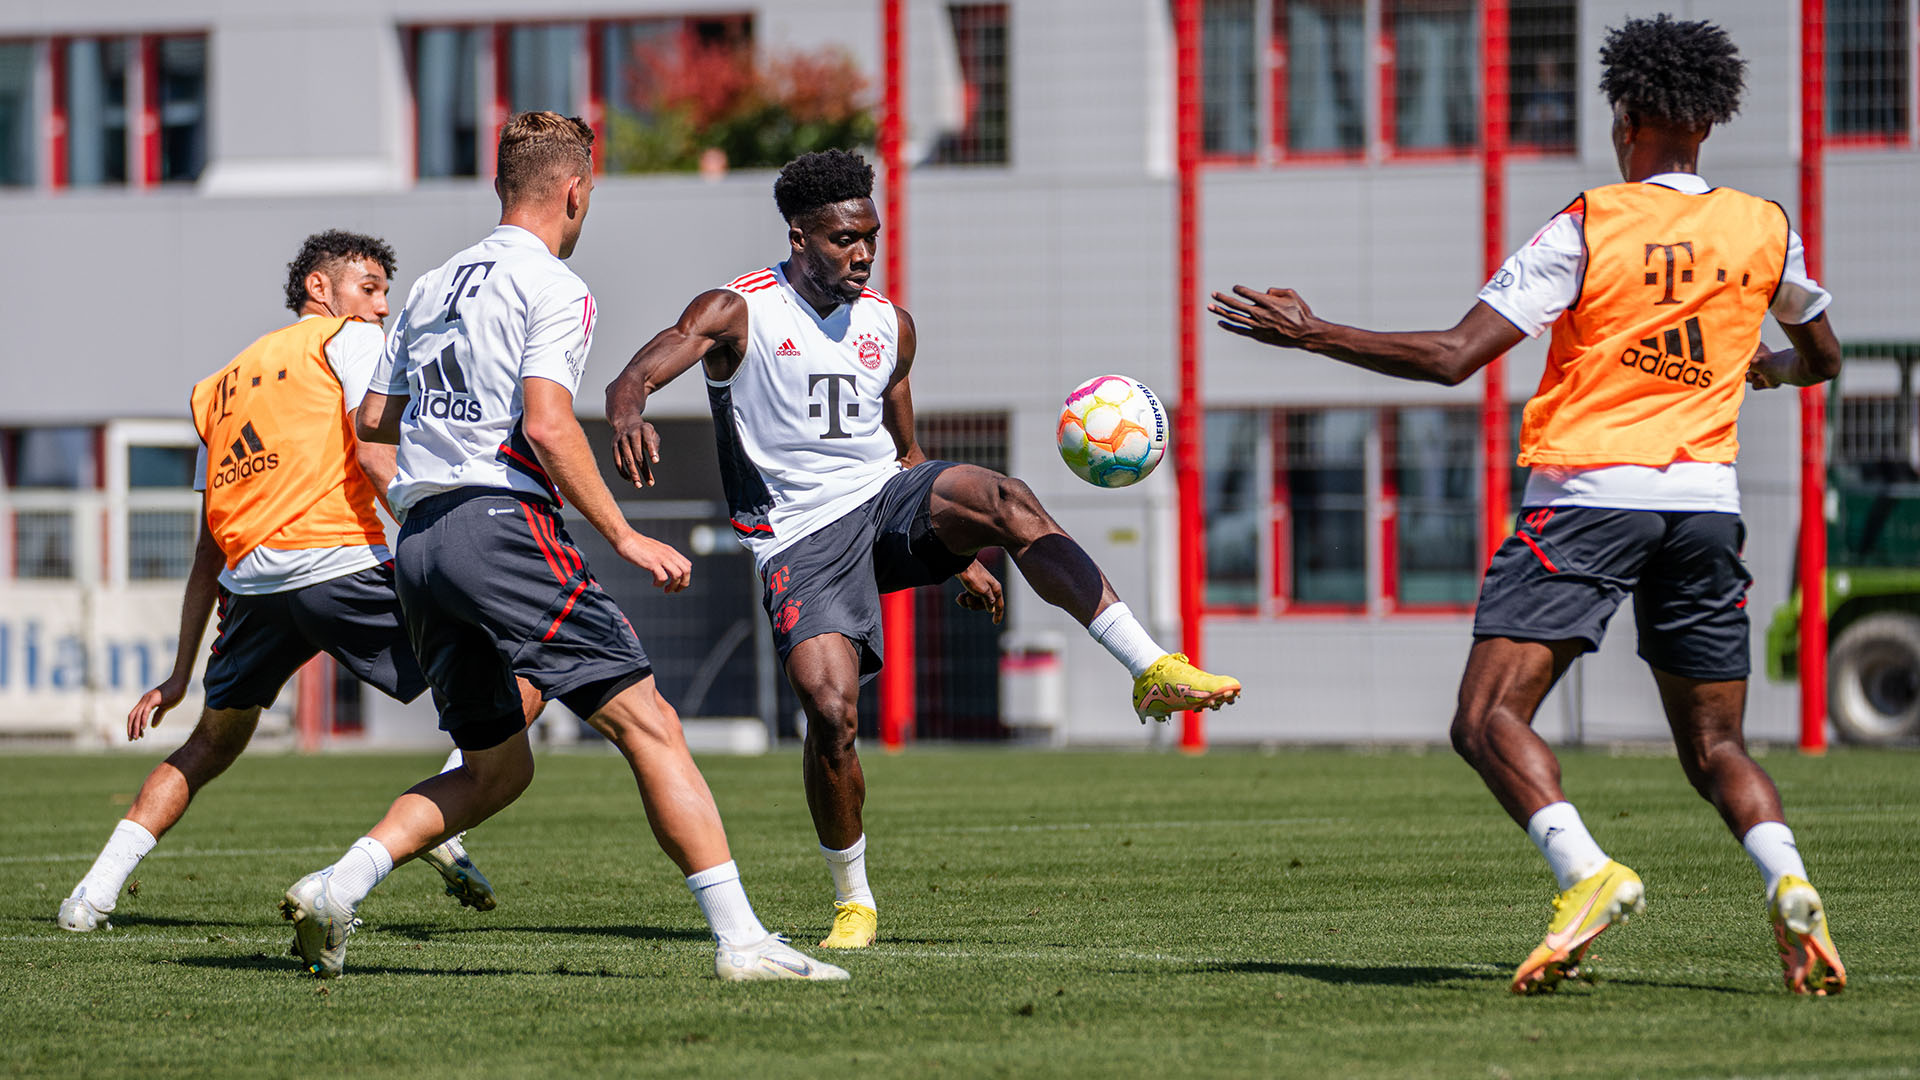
column 540, row 149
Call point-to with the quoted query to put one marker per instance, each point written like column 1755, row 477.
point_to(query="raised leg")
column 974, row 508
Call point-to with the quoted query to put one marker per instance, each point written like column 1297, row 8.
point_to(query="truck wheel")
column 1873, row 692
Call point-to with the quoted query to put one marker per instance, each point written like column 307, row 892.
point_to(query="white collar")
column 1689, row 183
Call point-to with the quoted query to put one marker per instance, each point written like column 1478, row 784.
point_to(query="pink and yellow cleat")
column 1580, row 914
column 1174, row 685
column 1812, row 966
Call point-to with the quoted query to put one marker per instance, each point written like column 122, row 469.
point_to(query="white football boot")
column 79, row 916
column 465, row 882
column 771, row 958
column 320, row 924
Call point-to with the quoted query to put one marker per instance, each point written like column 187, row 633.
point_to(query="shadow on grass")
column 431, row 931
column 1366, row 974
column 288, row 965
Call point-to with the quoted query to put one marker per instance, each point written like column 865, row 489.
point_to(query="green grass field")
column 1299, row 913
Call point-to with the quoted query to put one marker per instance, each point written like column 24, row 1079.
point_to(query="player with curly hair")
column 1656, row 291
column 807, row 379
column 292, row 552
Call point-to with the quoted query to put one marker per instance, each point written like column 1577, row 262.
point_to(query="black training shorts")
column 493, row 589
column 264, row 638
column 830, row 581
column 1565, row 569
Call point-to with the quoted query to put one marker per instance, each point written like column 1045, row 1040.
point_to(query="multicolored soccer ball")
column 1113, row 431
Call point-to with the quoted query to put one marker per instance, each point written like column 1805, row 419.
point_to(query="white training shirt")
column 1537, row 284
column 801, row 443
column 352, row 353
column 502, row 311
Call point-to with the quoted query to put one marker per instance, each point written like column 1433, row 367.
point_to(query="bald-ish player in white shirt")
column 477, row 389
column 806, row 373
column 280, row 605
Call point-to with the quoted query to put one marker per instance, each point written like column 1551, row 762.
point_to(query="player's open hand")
column 1276, row 317
column 983, row 591
column 636, row 450
column 153, row 705
column 671, row 570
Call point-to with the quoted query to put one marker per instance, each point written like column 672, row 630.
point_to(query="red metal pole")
column 896, row 609
column 1813, row 399
column 1496, row 455
column 1188, row 422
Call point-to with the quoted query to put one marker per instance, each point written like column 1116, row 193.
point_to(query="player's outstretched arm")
column 897, row 411
column 562, row 447
column 713, row 328
column 203, row 589
column 1280, row 317
column 1814, row 358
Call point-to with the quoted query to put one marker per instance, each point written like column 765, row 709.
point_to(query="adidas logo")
column 787, row 348
column 247, row 457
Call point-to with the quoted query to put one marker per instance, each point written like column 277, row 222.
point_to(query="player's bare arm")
column 1281, row 317
column 898, row 415
column 561, row 445
column 377, row 420
column 713, row 328
column 377, row 460
column 203, row 589
column 1814, row 358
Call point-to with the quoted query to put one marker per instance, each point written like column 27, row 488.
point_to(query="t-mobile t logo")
column 833, row 408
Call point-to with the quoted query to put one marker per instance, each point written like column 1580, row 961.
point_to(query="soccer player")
column 291, row 548
column 477, row 386
column 806, row 374
column 1656, row 291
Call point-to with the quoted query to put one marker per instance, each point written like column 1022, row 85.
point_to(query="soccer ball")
column 1112, row 431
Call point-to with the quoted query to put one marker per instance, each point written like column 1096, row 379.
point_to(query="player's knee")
column 217, row 741
column 1016, row 508
column 833, row 722
column 1469, row 731
column 639, row 725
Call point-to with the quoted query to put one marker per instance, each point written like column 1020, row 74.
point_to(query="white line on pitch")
column 1120, row 826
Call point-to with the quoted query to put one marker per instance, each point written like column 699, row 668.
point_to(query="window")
column 17, row 114
column 1320, row 478
column 180, row 94
column 1229, row 46
column 95, row 104
column 1433, row 93
column 1322, row 81
column 446, row 99
column 540, row 67
column 1542, row 66
column 645, row 66
column 1432, row 537
column 1868, row 50
column 980, row 40
column 1231, row 508
column 43, row 467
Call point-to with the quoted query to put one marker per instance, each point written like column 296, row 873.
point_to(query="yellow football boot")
column 854, row 927
column 1807, row 953
column 1579, row 916
column 1173, row 685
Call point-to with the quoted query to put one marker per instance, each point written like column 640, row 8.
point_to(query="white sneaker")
column 320, row 925
column 465, row 882
column 771, row 958
column 79, row 916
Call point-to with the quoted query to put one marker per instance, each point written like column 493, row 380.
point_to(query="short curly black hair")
column 1686, row 73
column 812, row 181
column 323, row 249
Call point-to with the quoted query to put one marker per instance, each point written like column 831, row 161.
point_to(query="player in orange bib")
column 1656, row 291
column 293, row 551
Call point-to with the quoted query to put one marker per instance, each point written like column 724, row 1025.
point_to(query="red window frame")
column 1889, row 140
column 1280, row 124
column 1282, row 518
column 1390, row 104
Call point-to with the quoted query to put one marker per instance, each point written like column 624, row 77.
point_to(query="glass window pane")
column 160, row 466
column 1229, row 93
column 1437, row 511
column 160, row 544
column 1232, row 509
column 1867, row 48
column 183, row 107
column 446, row 97
column 1323, row 466
column 96, row 104
column 52, row 458
column 1326, row 73
column 1436, row 69
column 980, row 40
column 540, row 68
column 17, row 114
column 1543, row 66
column 43, row 544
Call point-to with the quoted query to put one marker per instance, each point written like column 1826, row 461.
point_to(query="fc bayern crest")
column 870, row 352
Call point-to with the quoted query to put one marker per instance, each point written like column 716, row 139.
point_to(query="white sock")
column 723, row 900
column 1125, row 638
column 1556, row 829
column 454, row 761
column 125, row 848
column 849, row 869
column 1770, row 845
column 365, row 865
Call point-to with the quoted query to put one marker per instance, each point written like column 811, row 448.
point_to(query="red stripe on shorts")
column 1544, row 561
column 562, row 617
column 533, row 527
